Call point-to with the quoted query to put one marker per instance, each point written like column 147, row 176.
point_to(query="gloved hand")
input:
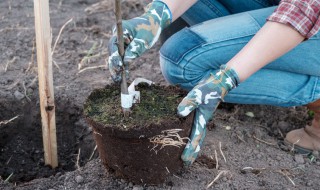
column 204, row 99
column 140, row 34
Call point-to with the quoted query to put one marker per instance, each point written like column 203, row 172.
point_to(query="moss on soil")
column 157, row 103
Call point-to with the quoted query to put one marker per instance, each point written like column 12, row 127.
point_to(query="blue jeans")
column 219, row 29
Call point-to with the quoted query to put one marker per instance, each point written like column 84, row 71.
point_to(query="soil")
column 251, row 136
column 158, row 103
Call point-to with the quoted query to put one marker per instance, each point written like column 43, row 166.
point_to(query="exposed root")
column 168, row 138
column 222, row 172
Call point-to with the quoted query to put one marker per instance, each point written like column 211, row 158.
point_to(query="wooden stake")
column 44, row 59
column 124, row 85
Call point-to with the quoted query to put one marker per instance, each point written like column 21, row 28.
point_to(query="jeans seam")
column 185, row 53
column 257, row 24
column 231, row 38
column 261, row 3
column 296, row 101
column 213, row 7
column 315, row 88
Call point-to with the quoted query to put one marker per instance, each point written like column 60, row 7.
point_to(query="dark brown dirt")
column 83, row 44
column 128, row 146
column 157, row 103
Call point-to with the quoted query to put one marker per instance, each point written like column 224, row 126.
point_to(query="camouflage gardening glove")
column 204, row 99
column 140, row 34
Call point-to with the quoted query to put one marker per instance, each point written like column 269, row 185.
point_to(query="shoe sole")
column 298, row 149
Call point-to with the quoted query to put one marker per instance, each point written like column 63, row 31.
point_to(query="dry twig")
column 25, row 91
column 10, row 62
column 88, row 56
column 225, row 160
column 292, row 149
column 256, row 171
column 94, row 150
column 268, row 143
column 93, row 67
column 8, row 121
column 217, row 160
column 286, row 174
column 167, row 170
column 9, row 160
column 60, row 32
column 8, row 178
column 78, row 158
column 32, row 55
column 97, row 133
column 222, row 172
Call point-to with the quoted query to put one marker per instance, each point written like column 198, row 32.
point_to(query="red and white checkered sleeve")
column 302, row 15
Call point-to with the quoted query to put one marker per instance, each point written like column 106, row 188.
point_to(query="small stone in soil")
column 315, row 154
column 309, row 183
column 137, row 188
column 299, row 158
column 18, row 95
column 79, row 179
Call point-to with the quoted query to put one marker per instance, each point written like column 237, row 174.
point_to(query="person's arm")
column 272, row 41
column 178, row 7
column 292, row 22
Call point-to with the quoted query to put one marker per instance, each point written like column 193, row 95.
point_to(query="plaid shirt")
column 302, row 15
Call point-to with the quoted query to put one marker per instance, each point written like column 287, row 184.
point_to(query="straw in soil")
column 8, row 121
column 222, row 172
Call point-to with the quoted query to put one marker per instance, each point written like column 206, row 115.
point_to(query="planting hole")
column 21, row 145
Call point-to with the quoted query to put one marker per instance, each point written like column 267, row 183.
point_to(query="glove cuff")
column 231, row 74
column 160, row 12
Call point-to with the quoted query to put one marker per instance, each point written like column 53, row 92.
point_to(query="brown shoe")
column 306, row 140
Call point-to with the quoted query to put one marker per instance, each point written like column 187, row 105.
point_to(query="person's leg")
column 205, row 10
column 195, row 52
column 238, row 6
column 292, row 80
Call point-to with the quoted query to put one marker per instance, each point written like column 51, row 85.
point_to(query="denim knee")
column 175, row 66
